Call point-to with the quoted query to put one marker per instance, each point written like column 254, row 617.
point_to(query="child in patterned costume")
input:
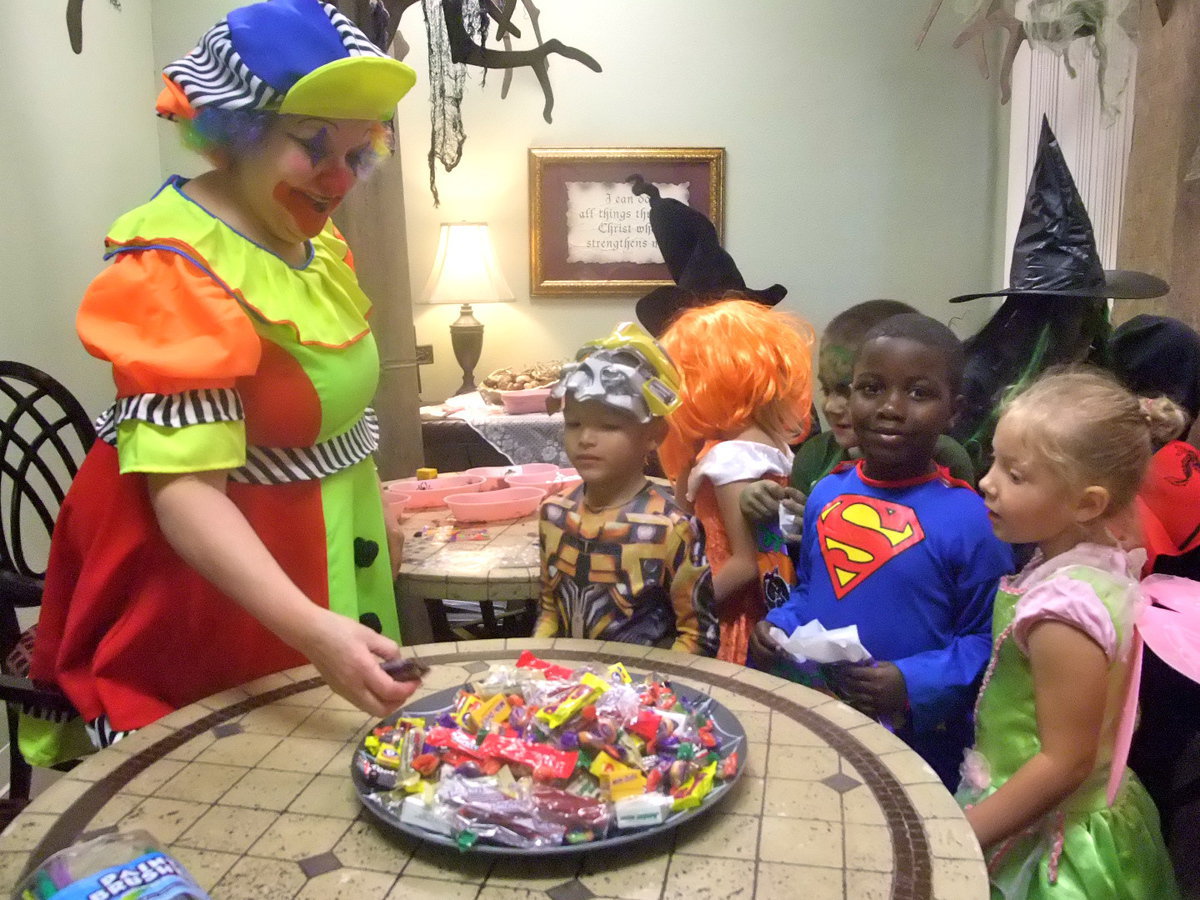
column 1070, row 454
column 746, row 396
column 620, row 560
column 228, row 522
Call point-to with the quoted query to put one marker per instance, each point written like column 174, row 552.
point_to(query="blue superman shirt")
column 914, row 565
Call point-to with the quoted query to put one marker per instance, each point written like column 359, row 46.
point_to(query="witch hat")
column 1055, row 250
column 703, row 272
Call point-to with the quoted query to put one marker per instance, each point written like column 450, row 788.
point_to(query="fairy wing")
column 1170, row 626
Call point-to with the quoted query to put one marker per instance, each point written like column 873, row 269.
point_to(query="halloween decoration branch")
column 1109, row 28
column 457, row 34
column 75, row 22
column 457, row 40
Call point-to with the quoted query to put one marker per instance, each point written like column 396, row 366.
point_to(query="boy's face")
column 835, row 371
column 606, row 445
column 900, row 402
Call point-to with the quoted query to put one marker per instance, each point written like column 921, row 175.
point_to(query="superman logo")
column 858, row 534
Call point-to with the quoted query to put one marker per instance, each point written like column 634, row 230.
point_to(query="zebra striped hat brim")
column 293, row 56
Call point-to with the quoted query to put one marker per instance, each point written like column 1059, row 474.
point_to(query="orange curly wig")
column 742, row 363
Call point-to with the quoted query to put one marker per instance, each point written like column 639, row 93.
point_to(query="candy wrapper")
column 535, row 755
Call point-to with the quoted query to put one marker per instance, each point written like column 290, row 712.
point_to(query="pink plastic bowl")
column 395, row 502
column 492, row 506
column 535, row 468
column 530, row 401
column 494, row 475
column 567, row 481
column 426, row 492
column 542, row 480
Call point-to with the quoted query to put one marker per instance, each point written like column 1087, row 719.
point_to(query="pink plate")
column 426, row 492
column 535, row 468
column 491, row 506
column 395, row 502
column 567, row 481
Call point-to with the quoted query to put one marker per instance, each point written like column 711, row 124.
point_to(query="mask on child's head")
column 627, row 370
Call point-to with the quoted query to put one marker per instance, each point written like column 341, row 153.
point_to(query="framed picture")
column 590, row 234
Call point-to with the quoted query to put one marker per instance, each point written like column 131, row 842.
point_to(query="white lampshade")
column 465, row 269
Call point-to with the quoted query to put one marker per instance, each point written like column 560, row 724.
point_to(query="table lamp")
column 465, row 272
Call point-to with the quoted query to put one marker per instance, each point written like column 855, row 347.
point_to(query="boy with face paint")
column 620, row 560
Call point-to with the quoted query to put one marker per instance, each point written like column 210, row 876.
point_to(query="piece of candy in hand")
column 405, row 669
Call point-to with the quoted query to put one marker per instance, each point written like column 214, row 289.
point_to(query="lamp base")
column 466, row 338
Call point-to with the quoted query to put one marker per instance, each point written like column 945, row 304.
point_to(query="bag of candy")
column 118, row 866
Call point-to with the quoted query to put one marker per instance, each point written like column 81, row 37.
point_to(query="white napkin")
column 813, row 642
column 787, row 521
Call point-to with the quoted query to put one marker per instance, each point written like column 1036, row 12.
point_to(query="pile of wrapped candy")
column 535, row 755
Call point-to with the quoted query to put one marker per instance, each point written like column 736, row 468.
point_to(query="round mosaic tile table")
column 251, row 790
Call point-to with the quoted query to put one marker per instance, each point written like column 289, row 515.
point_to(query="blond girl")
column 1070, row 454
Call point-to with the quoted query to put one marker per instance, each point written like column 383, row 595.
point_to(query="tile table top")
column 444, row 560
column 251, row 790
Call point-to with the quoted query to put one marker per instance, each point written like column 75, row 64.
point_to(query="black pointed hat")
column 1055, row 250
column 703, row 272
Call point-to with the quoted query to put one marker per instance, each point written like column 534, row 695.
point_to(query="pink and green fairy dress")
column 225, row 357
column 1085, row 849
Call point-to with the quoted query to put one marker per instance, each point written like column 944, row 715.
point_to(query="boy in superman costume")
column 896, row 546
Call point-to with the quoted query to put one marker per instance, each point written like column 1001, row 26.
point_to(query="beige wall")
column 857, row 166
column 78, row 150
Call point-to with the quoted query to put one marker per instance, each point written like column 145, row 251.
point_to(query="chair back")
column 44, row 435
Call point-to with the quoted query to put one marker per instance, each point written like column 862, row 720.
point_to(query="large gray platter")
column 726, row 726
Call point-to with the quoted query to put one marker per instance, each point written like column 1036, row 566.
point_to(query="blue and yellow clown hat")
column 301, row 57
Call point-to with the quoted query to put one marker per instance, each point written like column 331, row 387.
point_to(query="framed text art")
column 590, row 234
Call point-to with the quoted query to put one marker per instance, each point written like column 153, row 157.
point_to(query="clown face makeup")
column 304, row 169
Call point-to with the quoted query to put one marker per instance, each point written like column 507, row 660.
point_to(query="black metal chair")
column 470, row 620
column 44, row 435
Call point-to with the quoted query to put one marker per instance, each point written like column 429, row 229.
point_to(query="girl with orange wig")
column 747, row 394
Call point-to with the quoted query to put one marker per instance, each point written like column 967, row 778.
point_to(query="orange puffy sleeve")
column 165, row 326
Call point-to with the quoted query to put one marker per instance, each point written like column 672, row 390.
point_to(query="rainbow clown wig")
column 742, row 363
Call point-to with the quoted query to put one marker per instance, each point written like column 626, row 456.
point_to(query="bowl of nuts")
column 513, row 379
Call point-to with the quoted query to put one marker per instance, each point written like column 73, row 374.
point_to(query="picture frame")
column 590, row 234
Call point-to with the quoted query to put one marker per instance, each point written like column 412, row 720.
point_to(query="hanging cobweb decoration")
column 447, row 81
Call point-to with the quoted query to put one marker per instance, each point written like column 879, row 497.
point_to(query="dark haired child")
column 897, row 547
column 620, row 560
column 1158, row 359
column 817, row 456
